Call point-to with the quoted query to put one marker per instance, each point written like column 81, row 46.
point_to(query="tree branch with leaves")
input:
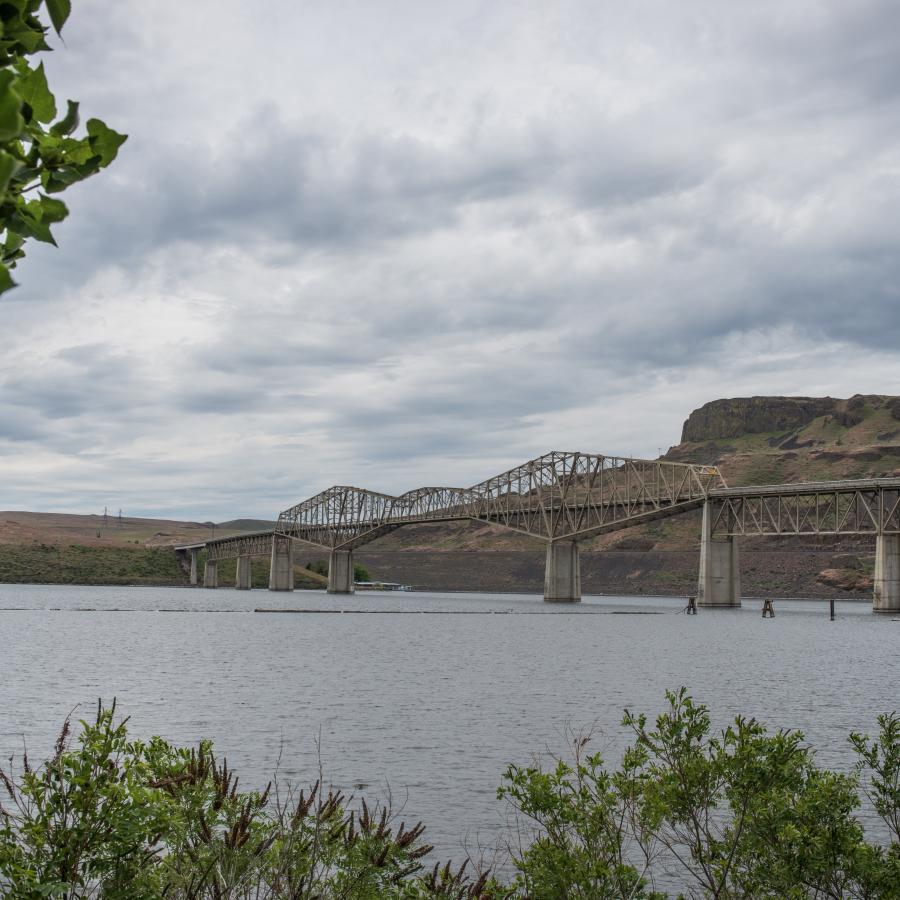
column 40, row 154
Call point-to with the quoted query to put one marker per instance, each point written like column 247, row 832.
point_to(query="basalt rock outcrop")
column 740, row 416
column 753, row 415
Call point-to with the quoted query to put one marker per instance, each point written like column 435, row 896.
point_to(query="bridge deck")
column 808, row 487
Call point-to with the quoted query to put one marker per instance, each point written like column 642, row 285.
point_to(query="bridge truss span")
column 557, row 496
column 346, row 517
column 575, row 496
column 865, row 506
column 257, row 543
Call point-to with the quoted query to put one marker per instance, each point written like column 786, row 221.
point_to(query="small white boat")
column 380, row 586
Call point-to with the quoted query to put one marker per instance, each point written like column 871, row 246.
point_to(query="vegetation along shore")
column 744, row 812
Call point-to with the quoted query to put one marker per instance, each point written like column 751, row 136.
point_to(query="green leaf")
column 35, row 148
column 68, row 124
column 32, row 86
column 8, row 167
column 11, row 122
column 26, row 223
column 12, row 243
column 60, row 179
column 6, row 280
column 52, row 210
column 104, row 141
column 56, row 150
column 30, row 39
column 59, row 11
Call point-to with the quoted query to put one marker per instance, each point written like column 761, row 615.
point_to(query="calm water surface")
column 433, row 701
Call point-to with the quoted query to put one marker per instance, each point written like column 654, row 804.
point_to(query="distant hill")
column 96, row 530
column 60, row 548
column 238, row 525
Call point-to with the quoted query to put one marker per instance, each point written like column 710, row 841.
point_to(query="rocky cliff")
column 759, row 440
column 752, row 415
column 755, row 415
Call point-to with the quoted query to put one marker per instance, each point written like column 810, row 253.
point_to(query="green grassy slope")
column 77, row 564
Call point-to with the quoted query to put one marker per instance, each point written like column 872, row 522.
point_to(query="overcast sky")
column 404, row 243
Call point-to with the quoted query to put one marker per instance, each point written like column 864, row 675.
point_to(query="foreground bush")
column 115, row 818
column 741, row 813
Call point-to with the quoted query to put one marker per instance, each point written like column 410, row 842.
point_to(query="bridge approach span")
column 862, row 506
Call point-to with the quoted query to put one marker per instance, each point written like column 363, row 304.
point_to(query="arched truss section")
column 336, row 516
column 573, row 496
column 557, row 496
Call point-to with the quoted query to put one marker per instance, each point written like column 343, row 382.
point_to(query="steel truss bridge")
column 558, row 496
column 564, row 498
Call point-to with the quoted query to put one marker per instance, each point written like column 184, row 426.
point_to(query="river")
column 426, row 695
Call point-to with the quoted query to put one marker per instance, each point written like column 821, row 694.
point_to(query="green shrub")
column 129, row 819
column 741, row 813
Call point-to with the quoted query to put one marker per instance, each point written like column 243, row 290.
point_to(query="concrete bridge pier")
column 211, row 574
column 194, row 555
column 281, row 571
column 340, row 572
column 887, row 574
column 719, row 584
column 562, row 576
column 242, row 573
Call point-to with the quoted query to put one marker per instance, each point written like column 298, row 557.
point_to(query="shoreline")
column 638, row 596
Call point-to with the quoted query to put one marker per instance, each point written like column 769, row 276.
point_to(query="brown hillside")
column 61, row 528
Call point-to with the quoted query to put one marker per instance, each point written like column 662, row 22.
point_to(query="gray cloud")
column 414, row 248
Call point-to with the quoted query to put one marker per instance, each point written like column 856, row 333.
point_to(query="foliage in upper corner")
column 39, row 153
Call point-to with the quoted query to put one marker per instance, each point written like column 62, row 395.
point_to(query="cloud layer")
column 398, row 243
